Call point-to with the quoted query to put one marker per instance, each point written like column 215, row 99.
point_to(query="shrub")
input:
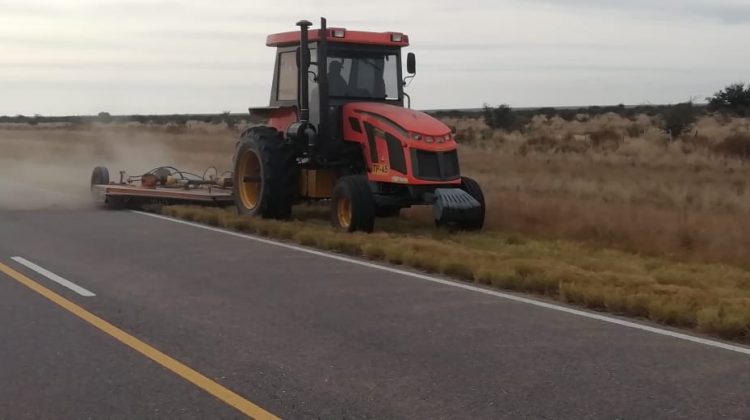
column 547, row 112
column 634, row 130
column 604, row 135
column 504, row 118
column 737, row 145
column 456, row 267
column 227, row 118
column 677, row 119
column 734, row 98
column 542, row 142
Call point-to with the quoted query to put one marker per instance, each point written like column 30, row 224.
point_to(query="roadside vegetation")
column 710, row 298
column 618, row 181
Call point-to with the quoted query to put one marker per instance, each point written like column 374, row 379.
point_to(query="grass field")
column 606, row 212
column 592, row 181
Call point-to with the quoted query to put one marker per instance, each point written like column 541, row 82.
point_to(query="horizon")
column 461, row 110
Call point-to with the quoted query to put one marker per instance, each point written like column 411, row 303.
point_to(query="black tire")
column 100, row 176
column 359, row 213
column 266, row 174
column 387, row 211
column 476, row 221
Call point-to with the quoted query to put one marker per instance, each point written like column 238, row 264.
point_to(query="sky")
column 68, row 57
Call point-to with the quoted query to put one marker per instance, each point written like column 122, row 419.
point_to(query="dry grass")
column 713, row 299
column 592, row 181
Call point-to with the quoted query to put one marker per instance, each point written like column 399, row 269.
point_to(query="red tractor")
column 337, row 129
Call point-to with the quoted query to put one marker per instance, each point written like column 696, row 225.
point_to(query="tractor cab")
column 342, row 67
column 364, row 67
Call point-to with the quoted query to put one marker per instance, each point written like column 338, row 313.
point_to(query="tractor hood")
column 407, row 119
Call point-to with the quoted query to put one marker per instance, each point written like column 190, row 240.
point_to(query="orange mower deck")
column 164, row 185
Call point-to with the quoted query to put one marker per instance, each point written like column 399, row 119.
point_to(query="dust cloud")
column 49, row 167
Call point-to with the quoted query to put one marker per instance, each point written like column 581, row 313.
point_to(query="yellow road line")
column 196, row 378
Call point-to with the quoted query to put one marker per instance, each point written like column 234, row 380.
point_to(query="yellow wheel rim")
column 249, row 179
column 344, row 207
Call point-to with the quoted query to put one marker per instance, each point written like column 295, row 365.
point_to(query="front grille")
column 450, row 165
column 435, row 166
column 395, row 153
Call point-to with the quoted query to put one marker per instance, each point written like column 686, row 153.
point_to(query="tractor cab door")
column 358, row 73
column 285, row 90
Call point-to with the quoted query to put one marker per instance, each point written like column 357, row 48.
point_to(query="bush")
column 734, row 98
column 226, row 117
column 504, row 118
column 677, row 119
column 634, row 130
column 603, row 135
column 737, row 145
column 542, row 142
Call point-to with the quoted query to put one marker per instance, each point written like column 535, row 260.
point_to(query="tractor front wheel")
column 353, row 206
column 476, row 220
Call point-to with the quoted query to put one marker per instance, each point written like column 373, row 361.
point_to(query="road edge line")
column 507, row 296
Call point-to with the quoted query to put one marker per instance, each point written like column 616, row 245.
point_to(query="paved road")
column 305, row 336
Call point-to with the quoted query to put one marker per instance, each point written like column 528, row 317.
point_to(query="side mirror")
column 411, row 63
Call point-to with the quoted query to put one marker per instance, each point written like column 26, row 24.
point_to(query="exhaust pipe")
column 304, row 68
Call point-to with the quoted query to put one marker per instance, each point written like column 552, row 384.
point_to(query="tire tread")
column 280, row 173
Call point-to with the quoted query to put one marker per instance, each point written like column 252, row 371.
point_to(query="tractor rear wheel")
column 265, row 174
column 476, row 221
column 353, row 206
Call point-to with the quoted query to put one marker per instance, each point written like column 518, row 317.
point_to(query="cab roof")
column 341, row 35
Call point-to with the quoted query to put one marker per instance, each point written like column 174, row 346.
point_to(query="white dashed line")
column 54, row 277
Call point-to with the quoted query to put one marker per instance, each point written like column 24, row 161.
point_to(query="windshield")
column 356, row 74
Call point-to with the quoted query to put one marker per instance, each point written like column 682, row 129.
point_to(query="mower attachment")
column 164, row 185
column 454, row 205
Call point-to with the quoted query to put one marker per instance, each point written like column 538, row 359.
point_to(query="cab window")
column 288, row 83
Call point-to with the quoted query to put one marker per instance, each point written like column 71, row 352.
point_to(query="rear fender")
column 278, row 117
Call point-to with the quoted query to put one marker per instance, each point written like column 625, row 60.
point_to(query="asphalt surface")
column 304, row 336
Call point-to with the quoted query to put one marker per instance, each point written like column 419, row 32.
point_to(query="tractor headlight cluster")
column 431, row 139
